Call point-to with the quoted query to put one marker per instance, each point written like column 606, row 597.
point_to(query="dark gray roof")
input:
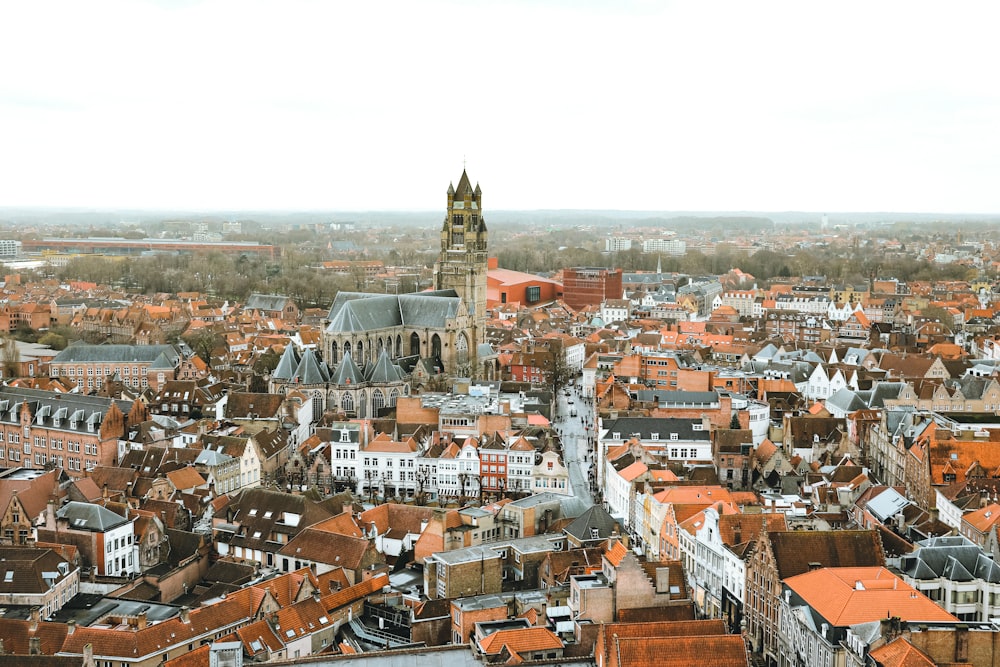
column 666, row 398
column 953, row 557
column 87, row 516
column 885, row 390
column 346, row 372
column 309, row 370
column 285, row 370
column 383, row 371
column 583, row 527
column 847, row 400
column 75, row 412
column 266, row 302
column 360, row 311
column 663, row 427
column 84, row 353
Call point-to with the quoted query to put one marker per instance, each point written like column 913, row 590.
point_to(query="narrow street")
column 577, row 454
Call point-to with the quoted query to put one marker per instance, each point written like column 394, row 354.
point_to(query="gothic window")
column 347, row 404
column 435, row 346
column 414, row 344
column 347, row 348
column 393, row 395
column 317, row 398
column 362, row 405
column 456, row 219
column 378, row 401
column 458, row 238
column 399, row 347
column 462, row 349
column 360, row 354
column 333, row 353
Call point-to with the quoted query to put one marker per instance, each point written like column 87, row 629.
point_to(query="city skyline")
column 644, row 106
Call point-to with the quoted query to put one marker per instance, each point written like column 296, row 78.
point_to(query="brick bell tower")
column 462, row 264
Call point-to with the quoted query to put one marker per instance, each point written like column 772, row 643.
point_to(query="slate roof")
column 360, row 311
column 75, row 411
column 86, row 516
column 270, row 302
column 383, row 371
column 582, row 527
column 647, row 426
column 347, row 372
column 953, row 557
column 285, row 370
column 84, row 353
column 309, row 369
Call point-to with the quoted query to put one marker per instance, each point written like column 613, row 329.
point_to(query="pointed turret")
column 285, row 370
column 309, row 370
column 347, row 373
column 383, row 371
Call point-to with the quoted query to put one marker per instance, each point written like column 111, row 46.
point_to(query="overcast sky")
column 357, row 105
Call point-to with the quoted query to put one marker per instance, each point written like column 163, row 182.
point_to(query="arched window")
column 399, row 347
column 317, row 399
column 378, row 401
column 347, row 348
column 347, row 404
column 381, row 347
column 462, row 349
column 393, row 395
column 435, row 345
column 362, row 405
column 414, row 344
column 333, row 353
column 359, row 356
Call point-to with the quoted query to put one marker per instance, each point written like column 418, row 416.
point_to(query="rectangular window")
column 533, row 294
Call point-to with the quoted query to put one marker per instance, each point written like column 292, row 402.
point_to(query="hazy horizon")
column 601, row 105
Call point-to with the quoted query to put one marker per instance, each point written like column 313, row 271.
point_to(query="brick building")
column 583, row 286
column 138, row 366
column 73, row 432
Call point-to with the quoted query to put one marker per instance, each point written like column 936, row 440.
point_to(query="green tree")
column 53, row 340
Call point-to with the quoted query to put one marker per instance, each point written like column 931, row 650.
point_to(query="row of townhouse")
column 350, row 455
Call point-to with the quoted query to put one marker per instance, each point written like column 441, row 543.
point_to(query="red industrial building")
column 527, row 289
column 590, row 286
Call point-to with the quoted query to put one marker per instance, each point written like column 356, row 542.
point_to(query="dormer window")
column 673, row 436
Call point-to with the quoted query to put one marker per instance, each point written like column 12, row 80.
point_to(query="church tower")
column 462, row 264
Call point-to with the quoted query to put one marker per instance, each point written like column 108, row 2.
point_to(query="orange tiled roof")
column 715, row 650
column 520, row 640
column 850, row 595
column 901, row 653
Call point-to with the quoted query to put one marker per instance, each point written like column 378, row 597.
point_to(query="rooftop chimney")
column 34, row 646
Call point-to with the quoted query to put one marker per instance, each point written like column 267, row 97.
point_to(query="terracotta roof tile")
column 901, row 653
column 520, row 640
column 850, row 595
column 717, row 651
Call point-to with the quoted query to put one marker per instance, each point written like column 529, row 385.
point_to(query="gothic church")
column 374, row 344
